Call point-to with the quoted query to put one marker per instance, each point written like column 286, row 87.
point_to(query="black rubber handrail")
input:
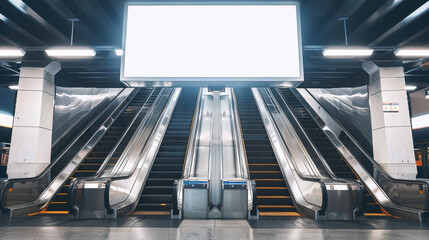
column 372, row 161
column 4, row 186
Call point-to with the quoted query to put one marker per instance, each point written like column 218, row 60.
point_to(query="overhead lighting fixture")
column 11, row 52
column 119, row 52
column 412, row 52
column 13, row 87
column 347, row 52
column 70, row 52
column 410, row 88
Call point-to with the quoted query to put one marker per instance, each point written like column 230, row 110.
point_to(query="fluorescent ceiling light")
column 6, row 120
column 13, row 87
column 423, row 52
column 11, row 52
column 410, row 88
column 421, row 121
column 70, row 52
column 119, row 52
column 166, row 41
column 347, row 52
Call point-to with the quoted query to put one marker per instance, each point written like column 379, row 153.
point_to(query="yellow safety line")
column 280, row 214
column 276, row 206
column 273, row 196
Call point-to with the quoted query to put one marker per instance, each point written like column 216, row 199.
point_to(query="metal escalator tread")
column 156, row 198
column 273, row 195
column 334, row 159
column 96, row 157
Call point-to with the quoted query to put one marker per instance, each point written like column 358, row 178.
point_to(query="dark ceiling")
column 381, row 24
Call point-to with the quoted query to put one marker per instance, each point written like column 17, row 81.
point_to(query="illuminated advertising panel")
column 169, row 43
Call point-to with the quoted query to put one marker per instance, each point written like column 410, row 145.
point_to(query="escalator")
column 96, row 157
column 334, row 159
column 157, row 195
column 273, row 196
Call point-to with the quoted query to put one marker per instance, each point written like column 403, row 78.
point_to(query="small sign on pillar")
column 390, row 107
column 427, row 93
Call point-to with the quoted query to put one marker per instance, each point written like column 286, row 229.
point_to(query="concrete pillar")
column 391, row 128
column 30, row 151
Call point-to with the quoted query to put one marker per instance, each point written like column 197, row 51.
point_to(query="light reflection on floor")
column 48, row 227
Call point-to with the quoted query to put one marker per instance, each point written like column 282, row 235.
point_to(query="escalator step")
column 157, row 194
column 273, row 197
column 96, row 157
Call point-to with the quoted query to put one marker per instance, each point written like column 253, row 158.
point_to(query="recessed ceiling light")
column 412, row 52
column 347, row 52
column 70, row 52
column 410, row 87
column 11, row 52
column 119, row 52
column 13, row 87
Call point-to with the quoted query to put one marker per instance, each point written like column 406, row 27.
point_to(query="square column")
column 390, row 120
column 30, row 149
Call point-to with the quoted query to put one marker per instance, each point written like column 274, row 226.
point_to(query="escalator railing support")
column 121, row 190
column 321, row 198
column 399, row 197
column 29, row 195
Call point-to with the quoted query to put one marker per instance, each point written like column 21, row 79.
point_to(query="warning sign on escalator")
column 390, row 107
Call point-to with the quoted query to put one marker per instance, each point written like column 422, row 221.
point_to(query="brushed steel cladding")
column 350, row 107
column 73, row 105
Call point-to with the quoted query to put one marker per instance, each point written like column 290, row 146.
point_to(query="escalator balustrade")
column 96, row 157
column 334, row 159
column 273, row 195
column 157, row 194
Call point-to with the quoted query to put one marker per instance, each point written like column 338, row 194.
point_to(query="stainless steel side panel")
column 215, row 153
column 350, row 106
column 72, row 105
column 45, row 197
column 334, row 130
column 307, row 194
column 125, row 192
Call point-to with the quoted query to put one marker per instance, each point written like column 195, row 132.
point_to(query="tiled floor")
column 56, row 227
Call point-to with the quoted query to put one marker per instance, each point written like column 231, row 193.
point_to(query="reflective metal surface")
column 350, row 107
column 23, row 196
column 215, row 158
column 74, row 109
column 405, row 198
column 137, row 227
column 309, row 191
column 121, row 189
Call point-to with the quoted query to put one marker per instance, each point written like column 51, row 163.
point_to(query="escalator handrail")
column 109, row 156
column 241, row 156
column 71, row 191
column 111, row 176
column 190, row 149
column 304, row 178
column 304, row 133
column 407, row 208
column 110, row 179
column 119, row 107
column 176, row 92
column 312, row 179
column 374, row 163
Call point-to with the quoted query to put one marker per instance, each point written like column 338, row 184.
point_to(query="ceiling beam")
column 423, row 9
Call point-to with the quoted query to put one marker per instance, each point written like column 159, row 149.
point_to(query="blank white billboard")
column 184, row 42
